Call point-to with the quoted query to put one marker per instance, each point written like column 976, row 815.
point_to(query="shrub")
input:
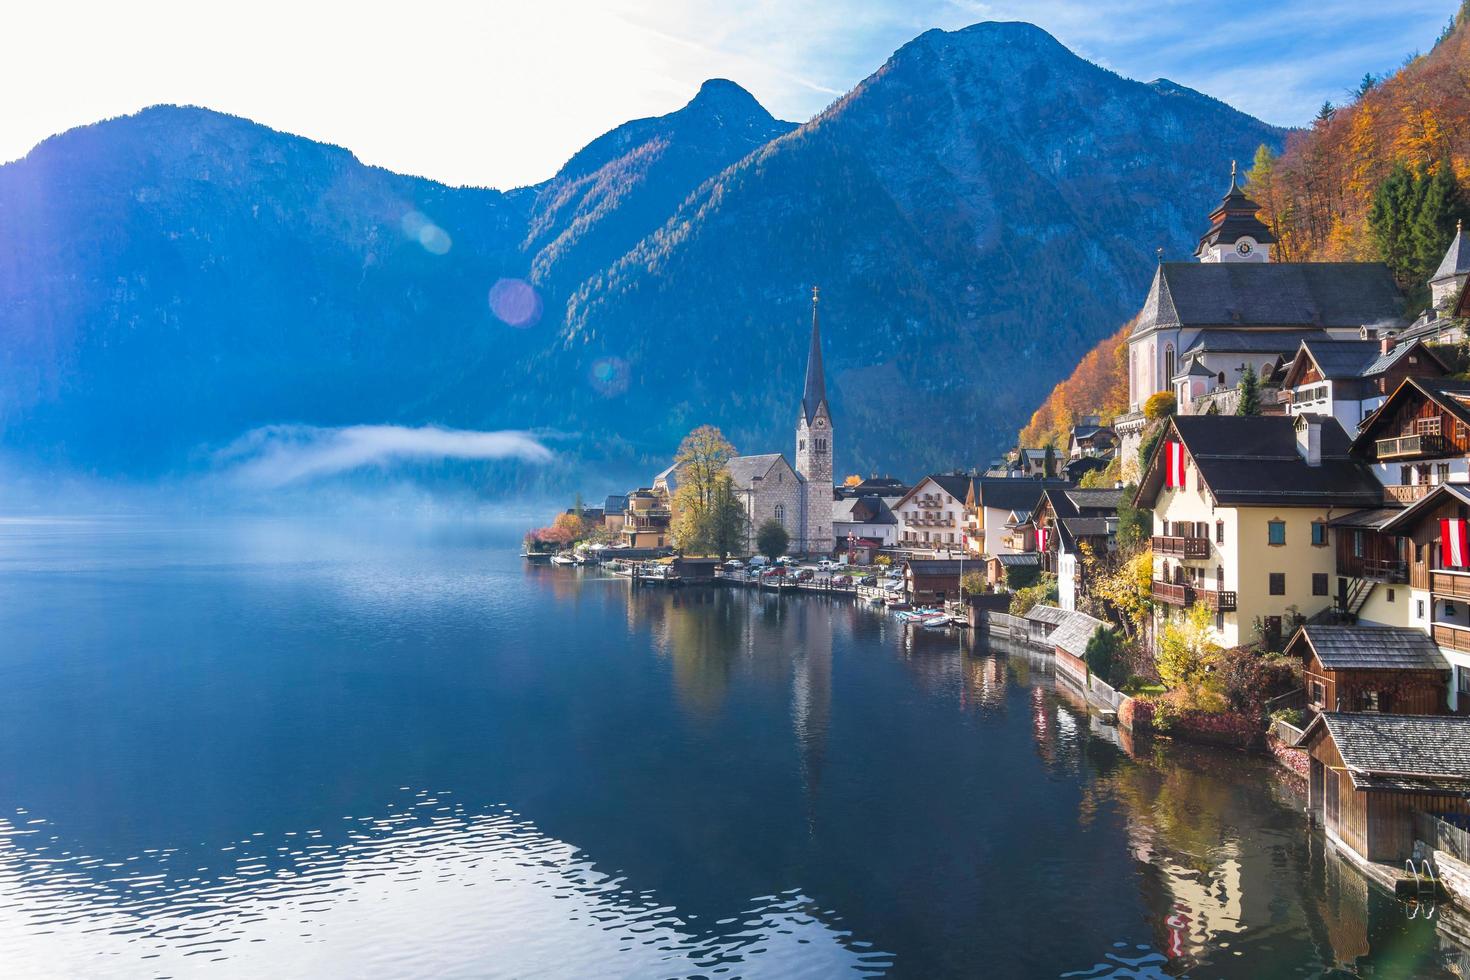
column 1102, row 653
column 1160, row 405
column 1137, row 714
column 1248, row 679
column 1044, row 592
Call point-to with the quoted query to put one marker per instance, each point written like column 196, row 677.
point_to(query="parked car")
column 805, row 575
column 759, row 561
column 734, row 563
column 826, row 564
column 775, row 572
column 868, row 580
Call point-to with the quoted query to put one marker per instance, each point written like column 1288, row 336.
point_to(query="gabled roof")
column 1368, row 648
column 957, row 485
column 867, row 509
column 1100, row 499
column 1339, row 360
column 1399, row 753
column 1075, row 633
column 744, row 470
column 1270, row 294
column 1046, row 614
column 1373, row 519
column 1427, row 504
column 1253, row 461
column 1451, row 395
column 1020, row 559
column 1229, row 341
column 1019, row 493
column 1456, row 261
column 936, row 566
column 1087, row 527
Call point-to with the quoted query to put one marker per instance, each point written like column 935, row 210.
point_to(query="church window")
column 1169, row 363
column 781, row 513
column 800, row 444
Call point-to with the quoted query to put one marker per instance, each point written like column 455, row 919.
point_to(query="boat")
column 935, row 621
column 537, row 557
column 564, row 559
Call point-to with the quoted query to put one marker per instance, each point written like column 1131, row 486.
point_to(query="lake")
column 258, row 747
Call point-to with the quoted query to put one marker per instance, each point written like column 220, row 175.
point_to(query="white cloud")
column 277, row 455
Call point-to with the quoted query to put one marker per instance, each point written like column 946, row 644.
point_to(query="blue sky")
column 500, row 93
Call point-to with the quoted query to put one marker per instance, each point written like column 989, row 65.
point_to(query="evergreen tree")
column 1325, row 114
column 1391, row 220
column 1368, row 84
column 771, row 540
column 1250, row 393
column 1433, row 226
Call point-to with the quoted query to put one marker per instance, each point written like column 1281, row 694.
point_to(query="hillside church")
column 799, row 497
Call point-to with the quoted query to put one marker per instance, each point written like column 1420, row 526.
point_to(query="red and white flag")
column 1041, row 539
column 1174, row 460
column 1454, row 542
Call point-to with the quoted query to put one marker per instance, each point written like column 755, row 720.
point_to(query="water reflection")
column 341, row 752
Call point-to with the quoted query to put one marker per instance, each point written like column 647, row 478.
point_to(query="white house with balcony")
column 931, row 516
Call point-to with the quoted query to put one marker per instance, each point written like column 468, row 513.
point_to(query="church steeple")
column 1236, row 234
column 814, row 395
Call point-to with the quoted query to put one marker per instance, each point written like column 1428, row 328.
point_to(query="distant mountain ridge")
column 979, row 211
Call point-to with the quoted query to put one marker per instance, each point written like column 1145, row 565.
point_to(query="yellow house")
column 1246, row 534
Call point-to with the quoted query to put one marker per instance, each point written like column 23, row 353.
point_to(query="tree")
column 1147, row 445
column 1102, row 653
column 1049, row 461
column 699, row 466
column 1135, row 524
column 1249, row 402
column 1103, row 479
column 1325, row 114
column 1366, row 85
column 1391, row 220
column 771, row 539
column 1432, row 228
column 700, row 458
column 1119, row 588
column 1044, row 592
column 973, row 584
column 571, row 525
column 1188, row 656
column 725, row 530
column 852, row 480
column 1160, row 405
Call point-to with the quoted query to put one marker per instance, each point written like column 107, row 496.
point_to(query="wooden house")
column 1350, row 379
column 1069, row 642
column 933, row 580
column 998, row 567
column 1385, row 669
column 1370, row 773
column 1418, row 438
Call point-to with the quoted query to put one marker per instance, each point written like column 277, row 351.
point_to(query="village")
column 1269, row 550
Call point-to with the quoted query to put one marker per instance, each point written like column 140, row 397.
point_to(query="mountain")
column 978, row 212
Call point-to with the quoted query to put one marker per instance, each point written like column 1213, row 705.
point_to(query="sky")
column 501, row 93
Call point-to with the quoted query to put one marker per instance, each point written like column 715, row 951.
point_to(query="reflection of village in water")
column 1220, row 856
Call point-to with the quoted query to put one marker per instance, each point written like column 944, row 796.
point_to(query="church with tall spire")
column 800, row 496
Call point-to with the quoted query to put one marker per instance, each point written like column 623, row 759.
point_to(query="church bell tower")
column 814, row 447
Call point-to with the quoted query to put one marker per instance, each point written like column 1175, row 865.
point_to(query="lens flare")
column 515, row 302
column 609, row 376
column 417, row 227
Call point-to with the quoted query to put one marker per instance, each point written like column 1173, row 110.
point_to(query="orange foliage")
column 1317, row 195
column 1098, row 386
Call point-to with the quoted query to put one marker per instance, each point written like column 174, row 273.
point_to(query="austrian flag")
column 1454, row 542
column 1174, row 461
column 1041, row 539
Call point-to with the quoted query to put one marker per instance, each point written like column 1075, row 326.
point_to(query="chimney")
column 1309, row 439
column 1385, row 343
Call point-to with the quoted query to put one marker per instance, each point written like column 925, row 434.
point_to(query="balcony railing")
column 1178, row 594
column 1452, row 637
column 1176, row 547
column 1407, row 493
column 1389, row 571
column 1424, row 444
column 1449, row 585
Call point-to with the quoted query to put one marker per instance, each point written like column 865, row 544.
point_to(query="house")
column 1064, row 520
column 1038, row 463
column 1369, row 774
column 1419, row 437
column 996, row 507
column 614, row 510
column 1372, row 567
column 1350, row 379
column 931, row 516
column 869, row 517
column 1204, row 321
column 1386, row 669
column 1241, row 507
column 1070, row 640
column 1042, row 621
column 998, row 567
column 646, row 520
column 935, row 580
column 1090, row 438
column 1439, row 579
column 875, row 486
column 1437, row 323
column 1075, row 469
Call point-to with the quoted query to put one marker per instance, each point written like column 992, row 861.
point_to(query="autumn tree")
column 1119, row 588
column 706, row 508
column 1188, row 656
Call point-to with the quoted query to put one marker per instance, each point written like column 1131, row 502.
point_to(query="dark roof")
column 1374, row 518
column 1017, row 493
column 1270, row 294
column 1046, row 614
column 1074, row 633
column 1338, row 360
column 867, row 509
column 1283, row 342
column 744, row 469
column 1404, row 753
column 1101, row 499
column 1370, row 648
column 1087, row 527
column 814, row 394
column 1451, row 395
column 1456, row 261
column 937, row 566
column 1233, row 219
column 1020, row 559
column 615, row 503
column 1082, row 465
column 1253, row 460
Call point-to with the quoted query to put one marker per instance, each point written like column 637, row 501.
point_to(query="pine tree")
column 1391, row 220
column 1433, row 226
column 1368, row 84
column 1250, row 393
column 1325, row 114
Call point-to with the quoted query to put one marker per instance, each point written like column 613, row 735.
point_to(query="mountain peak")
column 720, row 95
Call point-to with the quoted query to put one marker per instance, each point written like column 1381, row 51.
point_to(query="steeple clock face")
column 1243, row 247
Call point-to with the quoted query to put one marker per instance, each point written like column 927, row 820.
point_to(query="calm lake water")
column 262, row 748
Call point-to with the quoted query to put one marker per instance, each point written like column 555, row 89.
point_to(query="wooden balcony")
column 1175, row 594
column 1389, row 571
column 1449, row 585
column 1452, row 637
column 1174, row 547
column 1407, row 493
column 1405, row 447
